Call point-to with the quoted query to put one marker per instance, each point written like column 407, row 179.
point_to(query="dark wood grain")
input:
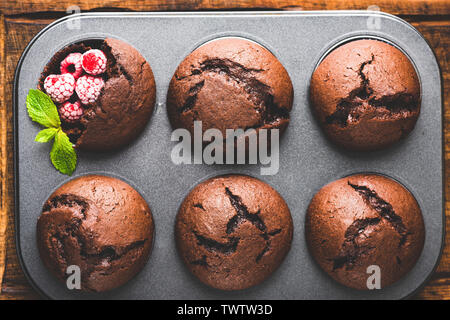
column 18, row 35
column 438, row 36
column 416, row 7
column 3, row 156
column 21, row 23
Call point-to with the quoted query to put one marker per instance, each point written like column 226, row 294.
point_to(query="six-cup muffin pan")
column 307, row 159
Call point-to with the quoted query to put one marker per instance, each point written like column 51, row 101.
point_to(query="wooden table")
column 20, row 20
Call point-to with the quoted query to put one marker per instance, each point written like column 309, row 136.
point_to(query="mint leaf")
column 63, row 155
column 41, row 109
column 46, row 135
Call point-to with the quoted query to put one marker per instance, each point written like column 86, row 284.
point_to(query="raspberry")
column 71, row 112
column 72, row 64
column 94, row 61
column 59, row 86
column 88, row 88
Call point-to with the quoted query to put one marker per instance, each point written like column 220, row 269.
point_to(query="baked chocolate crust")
column 99, row 224
column 233, row 231
column 125, row 104
column 364, row 220
column 230, row 83
column 365, row 95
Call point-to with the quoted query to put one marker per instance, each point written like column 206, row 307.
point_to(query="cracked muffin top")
column 233, row 231
column 364, row 220
column 100, row 224
column 230, row 83
column 113, row 95
column 366, row 95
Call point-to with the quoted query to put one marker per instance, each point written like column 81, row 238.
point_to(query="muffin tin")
column 307, row 160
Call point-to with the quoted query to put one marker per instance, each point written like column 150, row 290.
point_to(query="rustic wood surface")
column 21, row 20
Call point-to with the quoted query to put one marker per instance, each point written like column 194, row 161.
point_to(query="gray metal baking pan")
column 307, row 160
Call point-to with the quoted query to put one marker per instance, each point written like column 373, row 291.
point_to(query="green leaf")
column 41, row 109
column 63, row 155
column 46, row 135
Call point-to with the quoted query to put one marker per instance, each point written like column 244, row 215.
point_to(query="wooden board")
column 414, row 7
column 18, row 35
column 3, row 156
column 19, row 22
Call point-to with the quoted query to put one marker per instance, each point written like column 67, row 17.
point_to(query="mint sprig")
column 63, row 155
column 42, row 110
column 46, row 135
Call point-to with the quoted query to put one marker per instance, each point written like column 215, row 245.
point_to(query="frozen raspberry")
column 59, row 86
column 88, row 88
column 71, row 112
column 94, row 61
column 72, row 64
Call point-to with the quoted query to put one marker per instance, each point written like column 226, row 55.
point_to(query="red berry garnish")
column 88, row 88
column 94, row 61
column 71, row 112
column 59, row 86
column 72, row 64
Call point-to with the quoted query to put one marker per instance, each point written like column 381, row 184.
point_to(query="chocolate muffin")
column 100, row 224
column 230, row 83
column 233, row 231
column 366, row 95
column 121, row 99
column 364, row 220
